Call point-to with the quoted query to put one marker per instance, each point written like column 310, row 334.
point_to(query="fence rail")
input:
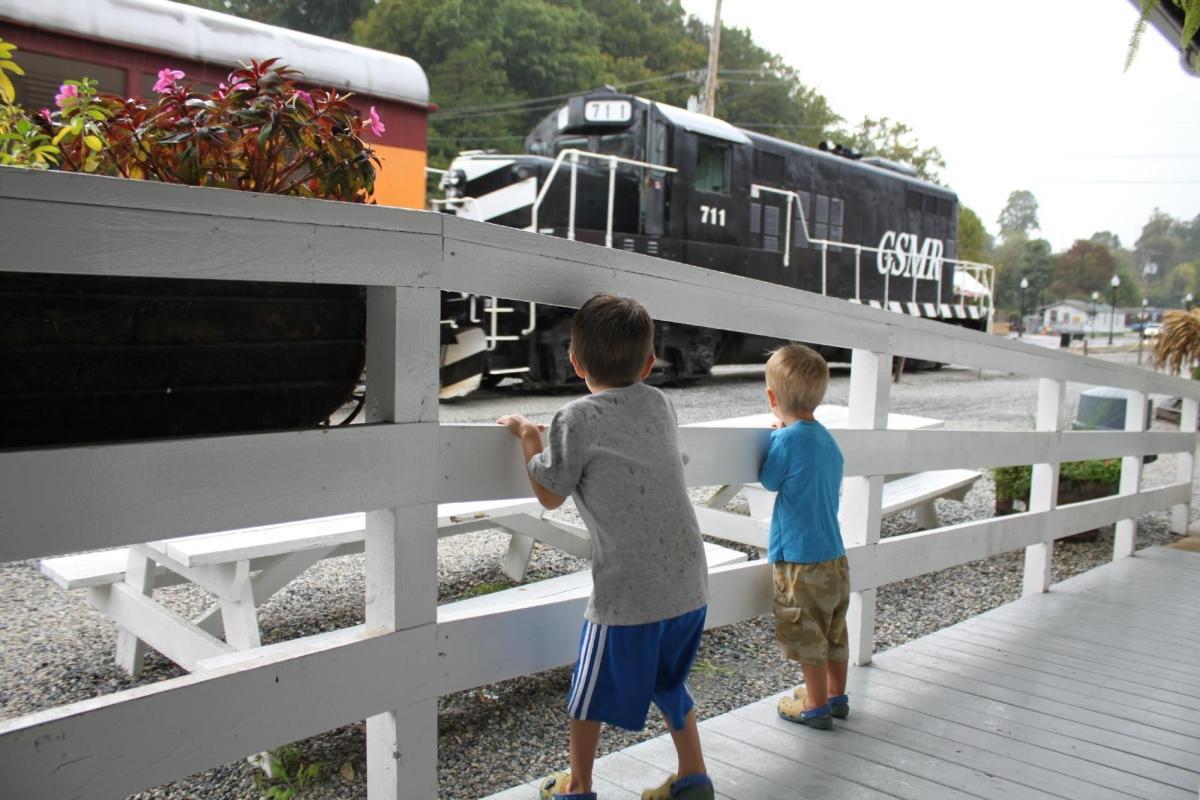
column 398, row 466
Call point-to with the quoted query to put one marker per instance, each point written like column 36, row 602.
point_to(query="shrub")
column 1012, row 483
column 257, row 131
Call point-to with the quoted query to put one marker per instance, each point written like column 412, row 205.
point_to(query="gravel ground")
column 55, row 649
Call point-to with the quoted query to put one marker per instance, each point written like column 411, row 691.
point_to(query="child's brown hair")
column 611, row 337
column 798, row 376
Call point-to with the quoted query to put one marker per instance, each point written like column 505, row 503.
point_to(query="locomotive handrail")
column 612, row 179
column 987, row 271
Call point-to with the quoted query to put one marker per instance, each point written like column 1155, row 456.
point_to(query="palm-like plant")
column 1178, row 345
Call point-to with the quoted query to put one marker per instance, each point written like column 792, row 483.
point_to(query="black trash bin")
column 1064, row 340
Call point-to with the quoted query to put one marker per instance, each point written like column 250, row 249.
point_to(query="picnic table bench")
column 900, row 492
column 245, row 567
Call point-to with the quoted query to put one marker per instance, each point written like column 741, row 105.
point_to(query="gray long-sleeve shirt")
column 617, row 453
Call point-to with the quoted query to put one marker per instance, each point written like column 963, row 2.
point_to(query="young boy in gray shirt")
column 616, row 451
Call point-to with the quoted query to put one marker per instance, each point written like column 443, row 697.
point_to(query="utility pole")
column 714, row 50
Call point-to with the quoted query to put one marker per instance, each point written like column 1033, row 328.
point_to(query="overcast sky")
column 1023, row 94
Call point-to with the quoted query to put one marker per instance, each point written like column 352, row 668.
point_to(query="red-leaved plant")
column 256, row 132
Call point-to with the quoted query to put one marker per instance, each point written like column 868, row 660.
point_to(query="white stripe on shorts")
column 587, row 700
column 589, row 637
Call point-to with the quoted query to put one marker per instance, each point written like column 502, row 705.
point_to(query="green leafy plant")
column 491, row 587
column 706, row 666
column 292, row 773
column 23, row 141
column 257, row 131
column 8, row 92
column 1012, row 483
column 1191, row 24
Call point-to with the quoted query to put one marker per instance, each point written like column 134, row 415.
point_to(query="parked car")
column 1153, row 329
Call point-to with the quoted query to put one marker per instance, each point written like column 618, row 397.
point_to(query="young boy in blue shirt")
column 616, row 451
column 812, row 580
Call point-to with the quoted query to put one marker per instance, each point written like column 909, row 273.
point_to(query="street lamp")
column 1095, row 299
column 1145, row 315
column 1187, row 301
column 1112, row 314
column 1021, row 326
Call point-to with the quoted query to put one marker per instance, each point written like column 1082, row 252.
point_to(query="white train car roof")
column 211, row 37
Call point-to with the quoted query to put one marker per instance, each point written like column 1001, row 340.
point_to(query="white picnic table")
column 243, row 568
column 900, row 492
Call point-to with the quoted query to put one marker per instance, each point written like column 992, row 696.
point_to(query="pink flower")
column 45, row 113
column 166, row 80
column 66, row 93
column 376, row 124
column 306, row 97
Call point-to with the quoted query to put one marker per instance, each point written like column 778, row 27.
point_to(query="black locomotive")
column 651, row 178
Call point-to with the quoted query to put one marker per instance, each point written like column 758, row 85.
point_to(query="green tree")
column 329, row 18
column 1036, row 264
column 1107, row 239
column 1183, row 280
column 1083, row 269
column 974, row 242
column 1006, row 257
column 1020, row 214
column 894, row 140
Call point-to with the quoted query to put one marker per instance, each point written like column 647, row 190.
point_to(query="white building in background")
column 1076, row 316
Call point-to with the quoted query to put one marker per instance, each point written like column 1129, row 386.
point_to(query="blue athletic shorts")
column 622, row 668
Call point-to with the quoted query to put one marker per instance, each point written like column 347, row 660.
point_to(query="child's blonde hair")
column 798, row 376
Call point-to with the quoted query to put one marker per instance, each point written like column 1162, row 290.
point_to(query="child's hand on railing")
column 519, row 426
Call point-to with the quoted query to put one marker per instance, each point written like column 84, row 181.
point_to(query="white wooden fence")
column 391, row 671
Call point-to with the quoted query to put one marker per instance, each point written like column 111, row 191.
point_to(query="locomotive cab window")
column 570, row 143
column 712, row 166
column 617, row 144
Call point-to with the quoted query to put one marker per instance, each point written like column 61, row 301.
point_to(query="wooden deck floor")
column 1090, row 692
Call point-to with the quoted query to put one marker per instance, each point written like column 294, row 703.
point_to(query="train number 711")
column 711, row 215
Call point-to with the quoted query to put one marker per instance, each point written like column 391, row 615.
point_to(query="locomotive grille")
column 771, row 228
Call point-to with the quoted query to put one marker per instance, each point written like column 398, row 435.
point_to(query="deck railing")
column 391, row 670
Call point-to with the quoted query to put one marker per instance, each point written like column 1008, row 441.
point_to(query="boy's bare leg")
column 816, row 683
column 837, row 678
column 585, row 736
column 687, row 747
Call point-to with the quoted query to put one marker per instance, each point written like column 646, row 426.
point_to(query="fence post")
column 401, row 543
column 1043, row 488
column 1125, row 540
column 1185, row 464
column 862, row 495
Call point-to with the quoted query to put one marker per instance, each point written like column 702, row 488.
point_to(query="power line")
column 452, row 113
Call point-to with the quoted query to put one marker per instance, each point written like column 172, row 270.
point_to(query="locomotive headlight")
column 452, row 183
column 522, row 173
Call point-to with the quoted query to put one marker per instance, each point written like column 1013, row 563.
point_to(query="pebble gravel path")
column 55, row 649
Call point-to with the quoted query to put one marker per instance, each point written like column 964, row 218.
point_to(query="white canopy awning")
column 968, row 285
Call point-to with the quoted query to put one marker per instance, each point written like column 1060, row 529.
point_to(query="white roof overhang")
column 184, row 31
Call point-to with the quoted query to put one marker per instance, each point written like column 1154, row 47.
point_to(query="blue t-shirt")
column 804, row 465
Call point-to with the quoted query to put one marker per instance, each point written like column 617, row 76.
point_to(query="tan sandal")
column 794, row 709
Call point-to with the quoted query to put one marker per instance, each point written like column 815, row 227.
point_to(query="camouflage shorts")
column 810, row 610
